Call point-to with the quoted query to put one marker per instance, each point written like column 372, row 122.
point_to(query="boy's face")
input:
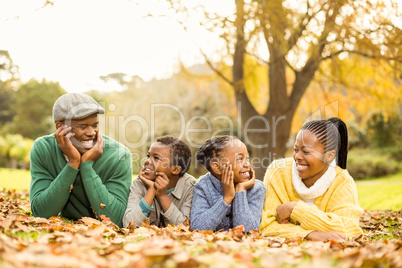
column 236, row 154
column 158, row 160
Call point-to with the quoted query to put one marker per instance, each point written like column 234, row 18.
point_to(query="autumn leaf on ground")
column 27, row 241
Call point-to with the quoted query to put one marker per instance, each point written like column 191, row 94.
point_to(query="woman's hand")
column 228, row 184
column 324, row 236
column 284, row 211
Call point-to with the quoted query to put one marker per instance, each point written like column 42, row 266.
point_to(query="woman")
column 312, row 195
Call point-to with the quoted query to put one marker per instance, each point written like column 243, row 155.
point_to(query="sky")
column 76, row 41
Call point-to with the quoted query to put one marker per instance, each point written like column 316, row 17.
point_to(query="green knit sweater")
column 96, row 188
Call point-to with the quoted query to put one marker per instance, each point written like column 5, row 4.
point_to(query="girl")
column 312, row 195
column 229, row 195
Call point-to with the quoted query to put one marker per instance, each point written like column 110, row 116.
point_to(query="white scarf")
column 308, row 195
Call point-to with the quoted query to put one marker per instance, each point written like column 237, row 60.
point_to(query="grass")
column 381, row 193
column 15, row 179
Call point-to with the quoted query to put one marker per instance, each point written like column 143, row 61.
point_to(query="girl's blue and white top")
column 210, row 212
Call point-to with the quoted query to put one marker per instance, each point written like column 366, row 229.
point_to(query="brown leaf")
column 88, row 221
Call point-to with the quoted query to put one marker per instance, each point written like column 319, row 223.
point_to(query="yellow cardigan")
column 336, row 210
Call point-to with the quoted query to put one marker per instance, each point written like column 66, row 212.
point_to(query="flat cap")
column 75, row 106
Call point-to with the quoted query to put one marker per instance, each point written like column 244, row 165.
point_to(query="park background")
column 199, row 69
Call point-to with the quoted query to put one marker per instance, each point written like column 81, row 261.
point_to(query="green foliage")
column 383, row 131
column 14, row 150
column 34, row 103
column 7, row 99
column 8, row 81
column 380, row 131
column 395, row 151
column 363, row 163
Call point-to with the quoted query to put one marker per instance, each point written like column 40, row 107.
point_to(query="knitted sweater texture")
column 336, row 210
column 210, row 212
column 96, row 188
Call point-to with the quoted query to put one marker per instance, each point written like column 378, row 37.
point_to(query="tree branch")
column 297, row 33
column 257, row 58
column 219, row 73
column 361, row 54
column 47, row 3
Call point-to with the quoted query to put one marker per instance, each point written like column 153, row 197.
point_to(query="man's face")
column 86, row 132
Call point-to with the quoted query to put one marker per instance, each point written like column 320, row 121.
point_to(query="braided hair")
column 179, row 150
column 333, row 135
column 212, row 149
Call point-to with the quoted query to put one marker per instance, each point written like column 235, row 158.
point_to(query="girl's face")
column 236, row 154
column 310, row 157
column 158, row 160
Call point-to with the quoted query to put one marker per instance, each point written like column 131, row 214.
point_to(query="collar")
column 319, row 187
column 216, row 183
column 180, row 187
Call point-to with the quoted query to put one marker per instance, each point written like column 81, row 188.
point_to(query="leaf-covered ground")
column 26, row 241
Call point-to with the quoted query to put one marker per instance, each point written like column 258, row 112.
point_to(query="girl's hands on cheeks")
column 284, row 211
column 96, row 151
column 228, row 184
column 247, row 185
column 63, row 136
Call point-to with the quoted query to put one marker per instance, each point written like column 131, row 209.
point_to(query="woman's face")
column 310, row 157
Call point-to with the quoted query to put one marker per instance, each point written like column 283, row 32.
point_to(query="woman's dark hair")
column 333, row 134
column 180, row 152
column 211, row 149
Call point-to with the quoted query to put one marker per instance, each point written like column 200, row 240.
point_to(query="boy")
column 163, row 191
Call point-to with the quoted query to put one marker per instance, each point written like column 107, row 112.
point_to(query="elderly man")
column 76, row 171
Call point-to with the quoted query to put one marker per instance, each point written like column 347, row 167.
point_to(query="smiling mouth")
column 247, row 173
column 301, row 167
column 147, row 170
column 88, row 144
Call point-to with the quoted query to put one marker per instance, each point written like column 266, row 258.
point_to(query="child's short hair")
column 211, row 148
column 180, row 152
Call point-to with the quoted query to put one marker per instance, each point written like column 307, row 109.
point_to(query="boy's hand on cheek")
column 148, row 183
column 161, row 184
column 228, row 184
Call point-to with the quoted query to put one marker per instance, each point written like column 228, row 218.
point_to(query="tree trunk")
column 266, row 136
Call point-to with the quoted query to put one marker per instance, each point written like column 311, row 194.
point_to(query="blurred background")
column 196, row 69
